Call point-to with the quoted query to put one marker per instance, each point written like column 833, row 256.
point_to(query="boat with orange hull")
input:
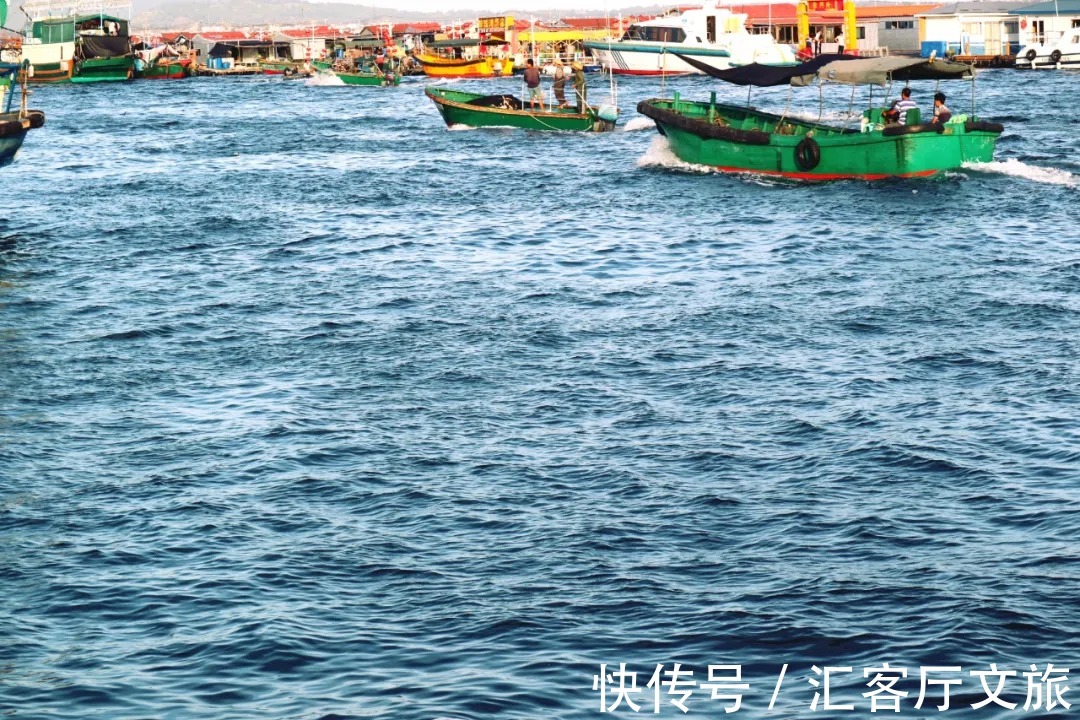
column 481, row 67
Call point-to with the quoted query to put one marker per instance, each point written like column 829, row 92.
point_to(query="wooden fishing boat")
column 15, row 123
column 741, row 139
column 82, row 48
column 459, row 63
column 371, row 79
column 163, row 69
column 475, row 110
column 482, row 67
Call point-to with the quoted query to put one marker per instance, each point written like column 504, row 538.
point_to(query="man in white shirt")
column 840, row 41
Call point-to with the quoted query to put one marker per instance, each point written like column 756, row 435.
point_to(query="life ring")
column 1055, row 57
column 807, row 154
column 1023, row 24
column 1031, row 54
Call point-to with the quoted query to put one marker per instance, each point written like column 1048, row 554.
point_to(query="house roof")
column 976, row 7
column 597, row 23
column 1054, row 7
column 321, row 32
column 223, row 35
column 415, row 28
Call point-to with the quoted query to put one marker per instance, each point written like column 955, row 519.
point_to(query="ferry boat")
column 713, row 34
column 1065, row 53
column 740, row 139
column 78, row 48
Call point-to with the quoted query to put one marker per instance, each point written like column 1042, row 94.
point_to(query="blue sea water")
column 313, row 408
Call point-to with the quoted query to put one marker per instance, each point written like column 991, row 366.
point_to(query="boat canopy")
column 462, row 43
column 883, row 70
column 839, row 69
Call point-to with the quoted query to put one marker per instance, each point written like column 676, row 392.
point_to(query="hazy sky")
column 497, row 7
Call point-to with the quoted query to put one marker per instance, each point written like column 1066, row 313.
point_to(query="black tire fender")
column 1055, row 57
column 1031, row 54
column 807, row 154
column 36, row 117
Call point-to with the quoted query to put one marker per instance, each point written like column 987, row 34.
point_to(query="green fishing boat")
column 374, row 79
column 79, row 48
column 741, row 139
column 476, row 110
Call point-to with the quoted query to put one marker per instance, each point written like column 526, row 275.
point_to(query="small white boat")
column 711, row 34
column 1065, row 53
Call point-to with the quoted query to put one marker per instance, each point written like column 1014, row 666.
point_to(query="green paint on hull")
column 369, row 79
column 767, row 144
column 114, row 69
column 160, row 71
column 455, row 109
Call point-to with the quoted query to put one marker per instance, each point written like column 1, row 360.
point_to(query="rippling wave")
column 314, row 409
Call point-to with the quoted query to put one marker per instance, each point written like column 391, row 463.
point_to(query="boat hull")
column 52, row 72
column 113, row 69
column 369, row 79
column 747, row 143
column 643, row 58
column 13, row 130
column 455, row 108
column 163, row 71
column 1044, row 61
column 438, row 67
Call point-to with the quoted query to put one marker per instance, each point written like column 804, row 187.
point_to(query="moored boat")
column 458, row 107
column 14, row 124
column 1065, row 53
column 716, row 34
column 741, row 139
column 81, row 48
column 161, row 63
column 165, row 69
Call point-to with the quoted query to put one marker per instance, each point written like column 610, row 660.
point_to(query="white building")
column 982, row 27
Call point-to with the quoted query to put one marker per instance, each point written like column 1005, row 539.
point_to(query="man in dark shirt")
column 532, row 81
column 942, row 114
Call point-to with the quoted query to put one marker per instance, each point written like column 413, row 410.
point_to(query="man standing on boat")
column 840, row 42
column 532, row 81
column 560, row 84
column 580, row 88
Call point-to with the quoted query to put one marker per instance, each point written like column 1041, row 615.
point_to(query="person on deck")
column 532, row 81
column 560, row 84
column 899, row 110
column 840, row 42
column 941, row 112
column 580, row 88
column 818, row 38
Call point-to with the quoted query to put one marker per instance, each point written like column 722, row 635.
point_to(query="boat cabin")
column 49, row 31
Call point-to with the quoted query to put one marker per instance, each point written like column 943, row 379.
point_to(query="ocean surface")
column 313, row 408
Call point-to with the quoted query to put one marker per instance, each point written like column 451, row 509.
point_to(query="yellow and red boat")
column 458, row 66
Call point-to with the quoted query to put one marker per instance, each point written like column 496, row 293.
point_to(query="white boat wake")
column 637, row 124
column 327, row 79
column 660, row 155
column 1035, row 173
